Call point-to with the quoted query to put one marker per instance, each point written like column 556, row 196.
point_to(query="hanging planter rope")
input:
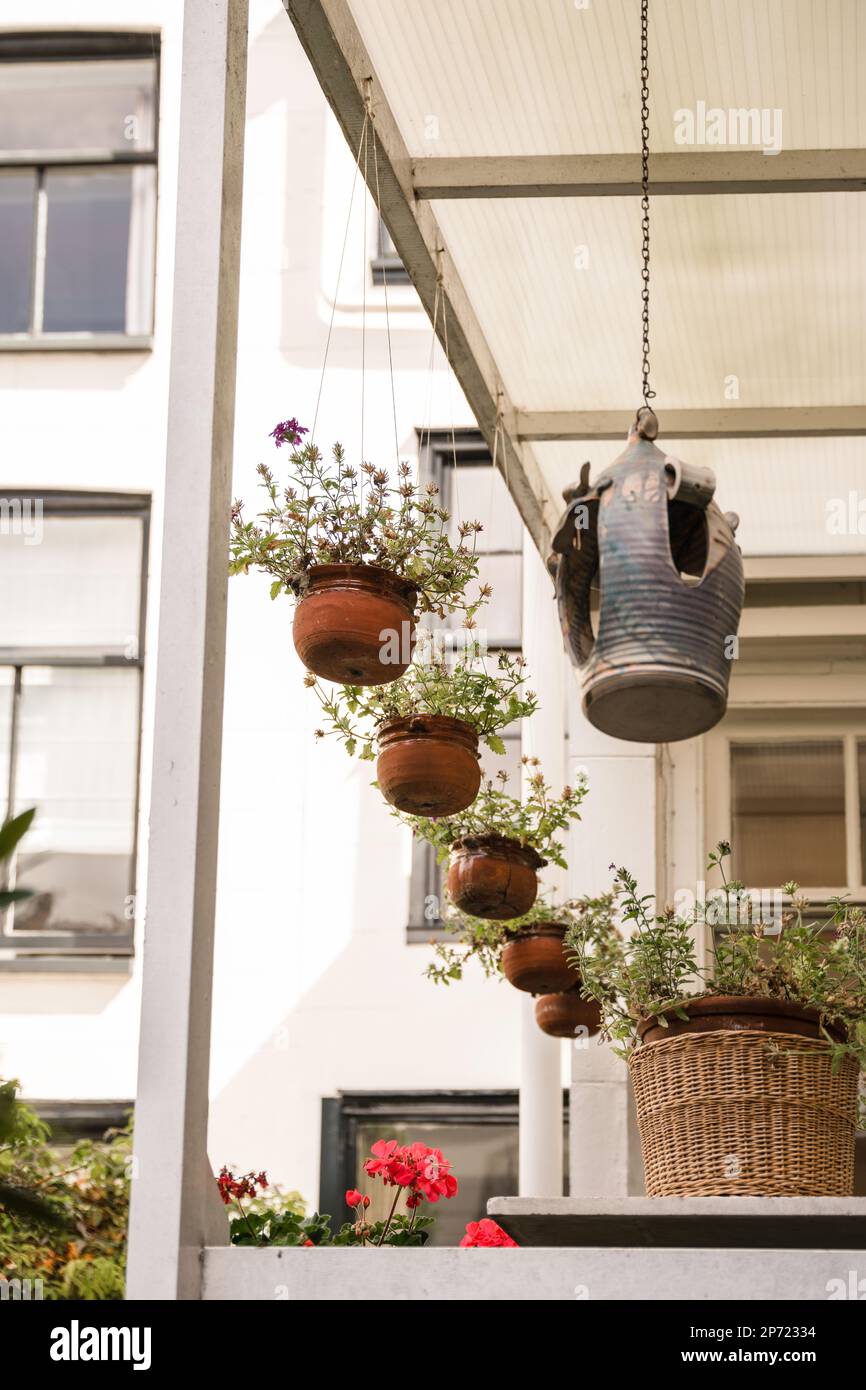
column 647, row 538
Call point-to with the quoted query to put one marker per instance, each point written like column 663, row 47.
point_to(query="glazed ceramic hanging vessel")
column 647, row 539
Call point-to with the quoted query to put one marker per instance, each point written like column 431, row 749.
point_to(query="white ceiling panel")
column 764, row 296
column 553, row 77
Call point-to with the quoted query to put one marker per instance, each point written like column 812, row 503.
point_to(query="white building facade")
column 325, row 1032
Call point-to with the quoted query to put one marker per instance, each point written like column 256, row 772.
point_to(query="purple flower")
column 288, row 432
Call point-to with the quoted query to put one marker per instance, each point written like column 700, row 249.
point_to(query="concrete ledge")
column 732, row 1223
column 452, row 1275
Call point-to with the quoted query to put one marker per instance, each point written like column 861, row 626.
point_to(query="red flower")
column 356, row 1199
column 485, row 1234
column 422, row 1170
column 308, row 1242
column 230, row 1186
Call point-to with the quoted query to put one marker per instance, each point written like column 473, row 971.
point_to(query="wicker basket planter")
column 745, row 1113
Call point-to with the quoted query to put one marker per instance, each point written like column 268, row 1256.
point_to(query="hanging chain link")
column 648, row 393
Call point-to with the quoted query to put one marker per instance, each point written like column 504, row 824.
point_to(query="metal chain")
column 648, row 393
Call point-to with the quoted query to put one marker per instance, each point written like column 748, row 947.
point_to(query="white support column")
column 620, row 825
column 173, row 1192
column 540, row 1149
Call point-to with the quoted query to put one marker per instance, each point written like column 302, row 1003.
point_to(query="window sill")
column 76, row 342
column 66, row 965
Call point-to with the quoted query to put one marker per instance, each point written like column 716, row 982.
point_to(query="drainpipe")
column 543, row 737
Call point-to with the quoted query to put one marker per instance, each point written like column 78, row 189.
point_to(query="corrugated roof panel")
column 550, row 77
column 764, row 296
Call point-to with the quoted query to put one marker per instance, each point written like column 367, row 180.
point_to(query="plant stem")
column 390, row 1217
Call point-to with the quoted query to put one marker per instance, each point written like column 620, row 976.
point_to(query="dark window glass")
column 87, row 251
column 788, row 813
column 17, row 214
column 77, row 229
column 70, row 692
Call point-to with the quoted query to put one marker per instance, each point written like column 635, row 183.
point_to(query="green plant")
column 478, row 939
column 773, row 953
column 419, row 1174
column 463, row 690
column 333, row 513
column 11, row 832
column 67, row 1221
column 533, row 822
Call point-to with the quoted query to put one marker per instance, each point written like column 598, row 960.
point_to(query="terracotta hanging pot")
column 428, row 764
column 534, row 960
column 567, row 1015
column 730, row 1013
column 355, row 624
column 493, row 877
column 647, row 537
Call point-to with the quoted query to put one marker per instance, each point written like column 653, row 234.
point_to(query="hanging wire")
column 339, row 275
column 646, row 390
column 385, row 287
column 441, row 290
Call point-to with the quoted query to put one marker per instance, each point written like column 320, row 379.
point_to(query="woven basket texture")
column 745, row 1114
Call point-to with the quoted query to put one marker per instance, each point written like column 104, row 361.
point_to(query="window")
column 386, row 266
column 473, row 489
column 72, row 570
column 789, row 792
column 788, row 811
column 476, row 1131
column 78, row 153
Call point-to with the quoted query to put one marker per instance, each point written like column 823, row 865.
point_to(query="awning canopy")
column 510, row 131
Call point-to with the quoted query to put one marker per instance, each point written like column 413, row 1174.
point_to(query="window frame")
column 343, row 1114
column 77, row 46
column 386, row 267
column 78, row 950
column 787, row 725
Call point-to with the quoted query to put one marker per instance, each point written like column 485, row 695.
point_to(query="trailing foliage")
column 481, row 940
column 63, row 1219
column 332, row 513
column 759, row 952
column 464, row 690
column 533, row 822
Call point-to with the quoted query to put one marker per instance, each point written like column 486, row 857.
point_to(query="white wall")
column 315, row 988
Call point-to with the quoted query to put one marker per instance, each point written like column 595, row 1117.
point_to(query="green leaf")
column 14, row 895
column 14, row 830
column 495, row 744
column 276, row 587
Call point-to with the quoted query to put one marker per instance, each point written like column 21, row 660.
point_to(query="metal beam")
column 175, row 1203
column 684, row 173
column 730, row 422
column 333, row 44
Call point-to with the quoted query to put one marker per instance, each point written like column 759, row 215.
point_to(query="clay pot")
column 730, row 1013
column 494, row 877
column 562, row 1015
column 534, row 960
column 428, row 764
column 349, row 617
